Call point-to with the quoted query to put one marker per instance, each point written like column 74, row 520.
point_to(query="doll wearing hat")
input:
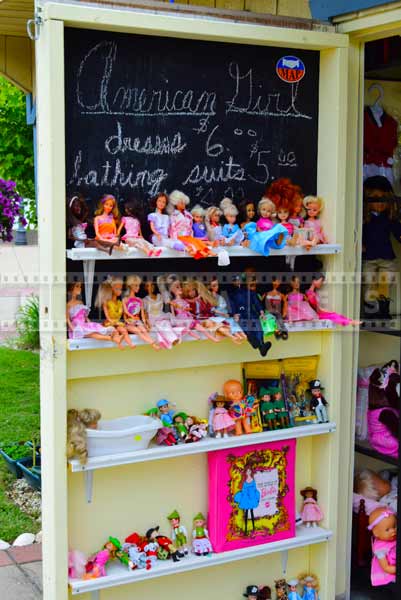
column 311, row 587
column 255, row 592
column 383, row 525
column 318, row 403
column 293, row 589
column 200, row 537
column 311, row 513
column 179, row 533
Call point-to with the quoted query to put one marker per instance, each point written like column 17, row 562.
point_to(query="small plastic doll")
column 318, row 403
column 293, row 590
column 255, row 592
column 232, row 233
column 201, row 545
column 197, row 429
column 283, row 211
column 112, row 550
column 281, row 589
column 198, row 225
column 166, row 413
column 79, row 326
column 310, row 585
column 239, row 407
column 77, row 222
column 383, row 525
column 153, row 536
column 179, row 426
column 247, row 212
column 76, row 564
column 267, row 411
column 159, row 224
column 108, row 299
column 264, row 593
column 289, row 196
column 311, row 513
column 298, row 308
column 157, row 320
column 314, row 206
column 107, row 220
column 276, row 305
column 281, row 413
column 165, row 435
column 138, row 557
column 78, row 421
column 264, row 234
column 133, row 235
column 221, row 310
column 313, row 297
column 134, row 314
column 179, row 533
column 213, row 226
column 221, row 421
column 180, row 227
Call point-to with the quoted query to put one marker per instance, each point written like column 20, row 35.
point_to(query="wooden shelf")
column 385, row 327
column 367, row 450
column 118, row 575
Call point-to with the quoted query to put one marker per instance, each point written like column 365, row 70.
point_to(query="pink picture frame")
column 251, row 495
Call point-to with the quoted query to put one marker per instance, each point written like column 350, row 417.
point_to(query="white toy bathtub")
column 126, row 434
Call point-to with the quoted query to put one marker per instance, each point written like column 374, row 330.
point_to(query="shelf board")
column 118, row 575
column 205, row 445
column 297, row 327
column 133, row 253
column 367, row 450
column 385, row 327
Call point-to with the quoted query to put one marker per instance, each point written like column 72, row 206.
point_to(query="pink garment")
column 99, row 563
column 381, row 549
column 167, row 335
column 379, row 436
column 180, row 224
column 370, row 505
column 222, row 420
column 311, row 511
column 289, row 227
column 132, row 227
column 298, row 309
column 334, row 317
column 316, row 228
column 134, row 305
column 81, row 326
column 264, row 224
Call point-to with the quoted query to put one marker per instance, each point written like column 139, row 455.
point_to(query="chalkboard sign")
column 147, row 114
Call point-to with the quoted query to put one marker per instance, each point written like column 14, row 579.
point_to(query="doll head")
column 251, row 592
column 293, row 585
column 134, row 283
column 179, row 418
column 159, row 202
column 309, row 492
column 77, row 209
column 214, row 285
column 383, row 524
column 175, row 288
column 318, row 280
column 212, row 215
column 313, row 206
column 163, row 406
column 150, row 287
column 77, row 424
column 199, row 520
column 233, row 391
column 378, row 197
column 266, row 208
column 276, row 282
column 295, row 283
column 196, row 289
column 283, row 211
column 310, row 582
column 131, row 209
column 174, row 518
column 90, row 417
column 250, row 278
column 247, row 212
column 371, row 485
column 108, row 205
column 198, row 213
column 74, row 290
column 281, row 588
column 230, row 211
column 177, row 200
column 112, row 285
column 264, row 593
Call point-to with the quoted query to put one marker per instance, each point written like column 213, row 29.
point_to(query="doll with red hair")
column 287, row 198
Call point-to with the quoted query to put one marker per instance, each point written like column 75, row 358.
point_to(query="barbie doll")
column 77, row 222
column 159, row 224
column 276, row 305
column 107, row 220
column 247, row 212
column 134, row 314
column 314, row 206
column 158, row 320
column 298, row 309
column 232, row 233
column 180, row 227
column 312, row 295
column 133, row 235
column 220, row 310
column 108, row 299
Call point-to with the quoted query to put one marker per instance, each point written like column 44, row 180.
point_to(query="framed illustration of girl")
column 251, row 495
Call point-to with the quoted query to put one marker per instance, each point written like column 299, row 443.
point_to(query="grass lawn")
column 19, row 420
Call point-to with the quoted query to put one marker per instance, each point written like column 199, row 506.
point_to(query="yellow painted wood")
column 2, row 54
column 261, row 6
column 51, row 183
column 211, row 3
column 373, row 25
column 18, row 64
column 294, row 8
column 231, row 4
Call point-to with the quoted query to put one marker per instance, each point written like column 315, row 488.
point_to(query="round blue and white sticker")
column 290, row 69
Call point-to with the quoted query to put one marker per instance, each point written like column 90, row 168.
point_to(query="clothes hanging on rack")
column 379, row 144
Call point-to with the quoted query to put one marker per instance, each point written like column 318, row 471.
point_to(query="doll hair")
column 364, row 484
column 131, row 209
column 283, row 188
column 198, row 210
column 174, row 198
column 77, row 423
column 201, row 290
column 228, row 207
column 132, row 280
column 100, row 207
column 243, row 217
column 316, row 199
column 214, row 398
column 105, row 292
column 304, row 578
column 265, row 201
column 382, row 184
column 212, row 210
column 154, row 200
column 309, row 490
column 74, row 200
column 280, row 585
column 71, row 285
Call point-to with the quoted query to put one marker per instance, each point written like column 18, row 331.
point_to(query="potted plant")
column 15, row 455
column 11, row 209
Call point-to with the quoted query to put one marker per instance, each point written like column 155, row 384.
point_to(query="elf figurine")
column 179, row 533
column 200, row 537
column 318, row 403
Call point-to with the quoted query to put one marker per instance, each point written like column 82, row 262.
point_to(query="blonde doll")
column 108, row 299
column 107, row 220
column 232, row 232
column 134, row 314
column 314, row 206
column 213, row 226
column 198, row 225
column 266, row 211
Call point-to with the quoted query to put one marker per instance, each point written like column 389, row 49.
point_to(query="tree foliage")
column 16, row 147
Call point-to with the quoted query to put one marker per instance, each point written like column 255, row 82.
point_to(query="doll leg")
column 141, row 332
column 100, row 245
column 124, row 332
column 246, row 521
column 246, row 425
column 204, row 330
column 253, row 519
column 226, row 332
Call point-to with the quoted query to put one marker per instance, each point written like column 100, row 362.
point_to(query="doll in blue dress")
column 232, row 232
column 293, row 590
column 310, row 588
column 248, row 497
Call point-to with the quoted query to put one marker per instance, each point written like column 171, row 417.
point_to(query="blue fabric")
column 233, row 231
column 248, row 498
column 262, row 241
column 376, row 237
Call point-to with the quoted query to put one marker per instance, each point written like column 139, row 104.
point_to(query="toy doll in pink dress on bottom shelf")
column 298, row 308
column 383, row 525
column 133, row 234
column 221, row 421
column 311, row 513
column 312, row 295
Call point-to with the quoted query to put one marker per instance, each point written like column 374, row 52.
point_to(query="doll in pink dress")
column 134, row 315
column 159, row 223
column 383, row 525
column 220, row 418
column 159, row 321
column 298, row 308
column 311, row 513
column 312, row 295
column 133, row 234
column 181, row 314
column 316, row 235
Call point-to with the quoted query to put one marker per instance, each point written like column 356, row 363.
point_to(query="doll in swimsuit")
column 133, row 234
column 134, row 315
column 107, row 219
column 312, row 295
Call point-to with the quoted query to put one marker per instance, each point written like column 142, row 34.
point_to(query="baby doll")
column 240, row 407
column 79, row 326
column 107, row 220
column 78, row 421
column 312, row 295
column 298, row 308
column 383, row 525
column 379, row 264
column 108, row 299
column 157, row 320
column 375, row 490
column 159, row 224
column 311, row 513
column 133, row 234
column 221, row 421
column 180, row 228
column 198, row 225
column 314, row 206
column 77, row 222
column 134, row 314
column 247, row 212
column 220, row 310
column 232, row 233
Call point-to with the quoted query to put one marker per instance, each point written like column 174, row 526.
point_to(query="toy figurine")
column 287, row 198
column 267, row 411
column 180, row 228
column 198, row 225
column 180, row 308
column 152, row 535
column 280, row 409
column 281, row 589
column 247, row 212
column 78, row 421
column 179, row 426
column 179, row 532
column 112, row 550
column 77, row 222
column 134, row 547
column 213, row 226
column 293, row 590
column 283, row 211
column 159, row 321
column 383, row 525
column 133, row 235
column 298, row 308
column 166, row 414
column 276, row 305
column 165, row 435
column 200, row 537
column 221, row 310
column 221, row 420
column 159, row 224
column 251, row 592
column 79, row 326
column 232, row 233
column 311, row 587
column 312, row 294
column 314, row 206
column 264, row 593
column 134, row 314
column 107, row 220
column 108, row 299
column 318, row 403
column 311, row 513
column 240, row 407
column 248, row 497
column 197, row 429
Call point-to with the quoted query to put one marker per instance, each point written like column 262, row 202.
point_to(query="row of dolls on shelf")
column 304, row 587
column 233, row 412
column 175, row 308
column 282, row 216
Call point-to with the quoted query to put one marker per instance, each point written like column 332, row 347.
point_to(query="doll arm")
column 383, row 562
column 154, row 230
column 120, row 227
column 96, row 226
column 69, row 324
column 144, row 317
column 285, row 303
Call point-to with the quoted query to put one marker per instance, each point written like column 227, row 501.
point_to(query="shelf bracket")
column 89, row 485
column 290, row 260
column 284, row 561
column 89, row 273
column 95, row 595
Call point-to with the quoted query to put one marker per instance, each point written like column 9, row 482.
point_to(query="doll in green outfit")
column 200, row 537
column 179, row 533
column 280, row 409
column 267, row 411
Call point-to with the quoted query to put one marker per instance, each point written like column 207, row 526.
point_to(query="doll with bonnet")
column 78, row 421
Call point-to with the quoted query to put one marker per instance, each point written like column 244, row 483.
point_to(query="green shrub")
column 17, row 451
column 27, row 323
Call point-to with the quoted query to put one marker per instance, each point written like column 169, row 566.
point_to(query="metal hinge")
column 33, row 25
